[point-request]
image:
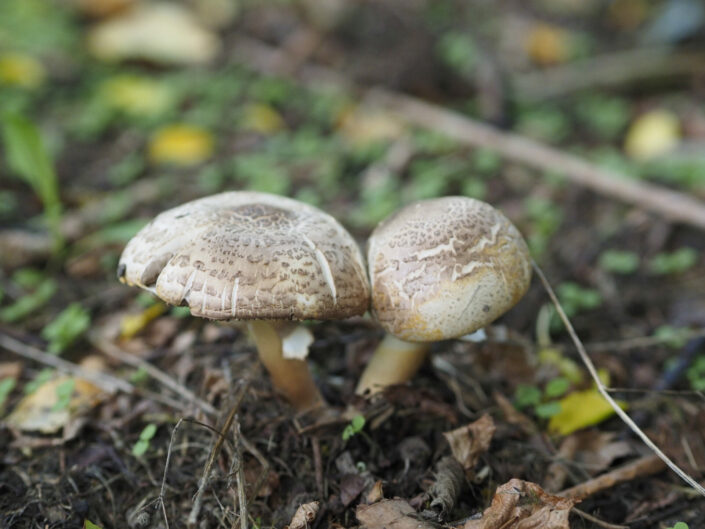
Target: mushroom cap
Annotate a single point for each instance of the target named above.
(445, 267)
(246, 255)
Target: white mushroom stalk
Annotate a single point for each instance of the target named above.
(256, 257)
(439, 269)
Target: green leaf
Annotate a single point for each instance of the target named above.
(28, 158)
(87, 524)
(619, 262)
(148, 432)
(25, 305)
(358, 423)
(140, 448)
(64, 391)
(71, 323)
(32, 386)
(680, 525)
(548, 409)
(673, 263)
(556, 387)
(6, 387)
(526, 395)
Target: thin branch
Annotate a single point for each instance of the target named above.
(597, 521)
(676, 206)
(104, 381)
(157, 374)
(603, 390)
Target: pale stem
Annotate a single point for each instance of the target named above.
(290, 377)
(394, 362)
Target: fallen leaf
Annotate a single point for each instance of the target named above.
(524, 505)
(131, 324)
(547, 44)
(55, 404)
(351, 485)
(262, 118)
(21, 70)
(164, 33)
(135, 95)
(390, 514)
(652, 134)
(180, 145)
(581, 409)
(470, 441)
(304, 515)
(376, 493)
(360, 126)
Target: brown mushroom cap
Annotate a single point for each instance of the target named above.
(247, 255)
(445, 267)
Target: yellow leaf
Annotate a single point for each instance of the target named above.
(21, 70)
(581, 409)
(262, 118)
(359, 126)
(652, 134)
(44, 411)
(135, 95)
(134, 323)
(181, 145)
(548, 44)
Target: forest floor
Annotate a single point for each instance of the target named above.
(582, 121)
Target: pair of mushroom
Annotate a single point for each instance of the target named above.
(438, 269)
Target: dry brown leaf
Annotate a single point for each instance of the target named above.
(524, 505)
(471, 440)
(304, 515)
(376, 493)
(390, 514)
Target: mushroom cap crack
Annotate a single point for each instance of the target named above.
(248, 255)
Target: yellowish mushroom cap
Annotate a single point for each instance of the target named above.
(247, 255)
(445, 267)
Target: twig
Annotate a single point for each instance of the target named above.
(620, 68)
(104, 381)
(597, 521)
(675, 206)
(603, 390)
(643, 466)
(317, 464)
(240, 481)
(198, 499)
(157, 374)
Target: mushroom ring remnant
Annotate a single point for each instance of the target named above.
(252, 256)
(439, 269)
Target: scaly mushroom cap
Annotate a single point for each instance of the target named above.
(445, 267)
(246, 255)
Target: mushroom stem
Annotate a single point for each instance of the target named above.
(393, 362)
(290, 377)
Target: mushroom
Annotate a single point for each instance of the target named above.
(257, 257)
(439, 269)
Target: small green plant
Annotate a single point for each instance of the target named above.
(28, 158)
(355, 427)
(619, 262)
(674, 262)
(27, 304)
(673, 337)
(696, 374)
(142, 445)
(575, 298)
(64, 392)
(43, 376)
(6, 387)
(680, 525)
(87, 524)
(543, 402)
(66, 328)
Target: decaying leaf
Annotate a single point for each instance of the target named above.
(390, 514)
(161, 32)
(54, 405)
(376, 493)
(304, 515)
(471, 440)
(449, 480)
(581, 409)
(524, 505)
